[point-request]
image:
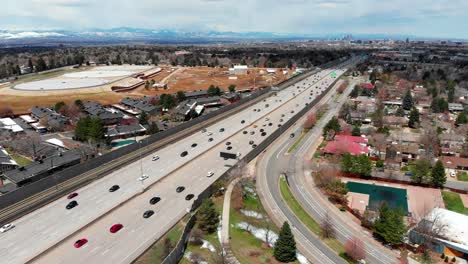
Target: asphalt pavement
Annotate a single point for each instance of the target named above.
(51, 230)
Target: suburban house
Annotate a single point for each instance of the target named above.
(239, 70)
(451, 143)
(455, 163)
(455, 107)
(347, 144)
(6, 162)
(50, 118)
(10, 125)
(107, 116)
(146, 104)
(125, 131)
(43, 168)
(196, 94)
(451, 235)
(185, 109)
(395, 121)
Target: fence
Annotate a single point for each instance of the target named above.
(178, 252)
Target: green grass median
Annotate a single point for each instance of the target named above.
(305, 218)
(454, 203)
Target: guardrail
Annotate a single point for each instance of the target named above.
(178, 252)
(30, 197)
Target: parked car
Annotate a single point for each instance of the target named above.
(143, 177)
(155, 158)
(180, 189)
(189, 197)
(210, 173)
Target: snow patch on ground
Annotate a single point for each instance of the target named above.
(188, 256)
(261, 233)
(251, 191)
(252, 214)
(206, 244)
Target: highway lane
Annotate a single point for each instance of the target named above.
(142, 232)
(312, 200)
(41, 229)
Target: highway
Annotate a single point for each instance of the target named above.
(276, 161)
(98, 209)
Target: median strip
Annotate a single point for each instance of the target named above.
(306, 219)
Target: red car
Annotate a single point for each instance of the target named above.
(115, 228)
(72, 195)
(80, 242)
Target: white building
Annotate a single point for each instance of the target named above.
(239, 70)
(11, 125)
(451, 229)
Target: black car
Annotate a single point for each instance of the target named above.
(270, 124)
(261, 130)
(252, 132)
(243, 121)
(221, 130)
(210, 139)
(154, 200)
(189, 197)
(229, 148)
(279, 125)
(114, 188)
(282, 115)
(148, 214)
(245, 132)
(281, 120)
(71, 204)
(263, 134)
(194, 145)
(228, 143)
(251, 142)
(183, 154)
(180, 189)
(254, 145)
(292, 135)
(292, 112)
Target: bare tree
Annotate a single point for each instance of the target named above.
(268, 233)
(5, 111)
(430, 226)
(354, 248)
(219, 257)
(328, 229)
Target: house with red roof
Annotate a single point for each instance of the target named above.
(347, 144)
(367, 86)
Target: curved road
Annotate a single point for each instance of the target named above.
(276, 161)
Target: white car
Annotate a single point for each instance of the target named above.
(6, 227)
(143, 177)
(238, 154)
(210, 173)
(155, 158)
(209, 134)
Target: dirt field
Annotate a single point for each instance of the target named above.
(180, 79)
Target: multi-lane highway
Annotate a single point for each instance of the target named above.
(276, 161)
(52, 230)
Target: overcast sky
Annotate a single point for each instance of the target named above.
(428, 18)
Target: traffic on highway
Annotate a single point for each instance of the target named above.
(126, 211)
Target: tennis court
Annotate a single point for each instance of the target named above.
(393, 197)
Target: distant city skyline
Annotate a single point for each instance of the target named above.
(421, 18)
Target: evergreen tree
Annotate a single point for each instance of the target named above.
(413, 118)
(180, 96)
(421, 170)
(143, 119)
(438, 176)
(232, 88)
(461, 119)
(207, 216)
(41, 65)
(408, 101)
(400, 112)
(285, 246)
(355, 92)
(30, 65)
(356, 131)
(152, 129)
(390, 225)
(334, 125)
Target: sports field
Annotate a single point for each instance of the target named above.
(393, 197)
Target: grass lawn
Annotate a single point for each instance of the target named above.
(22, 161)
(297, 142)
(306, 219)
(453, 202)
(247, 248)
(154, 253)
(463, 177)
